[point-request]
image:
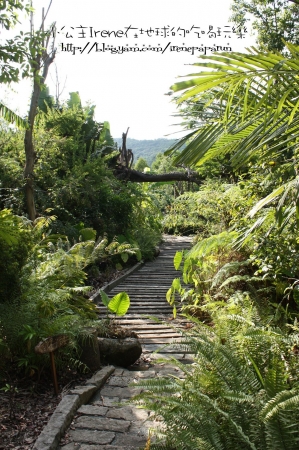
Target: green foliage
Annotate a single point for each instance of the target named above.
(165, 192)
(72, 179)
(50, 297)
(148, 238)
(240, 392)
(15, 244)
(9, 12)
(119, 304)
(208, 262)
(13, 51)
(141, 164)
(207, 211)
(258, 122)
(11, 117)
(274, 21)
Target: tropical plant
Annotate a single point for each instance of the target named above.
(119, 304)
(52, 293)
(13, 52)
(141, 164)
(241, 391)
(207, 211)
(200, 268)
(258, 125)
(15, 244)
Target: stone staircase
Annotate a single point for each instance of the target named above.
(150, 315)
(108, 419)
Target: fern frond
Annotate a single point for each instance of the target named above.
(228, 269)
(213, 243)
(284, 400)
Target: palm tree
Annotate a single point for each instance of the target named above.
(258, 95)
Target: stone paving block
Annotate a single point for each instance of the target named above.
(116, 447)
(120, 381)
(71, 446)
(68, 405)
(118, 372)
(99, 378)
(173, 372)
(142, 428)
(145, 374)
(121, 392)
(58, 423)
(92, 410)
(127, 372)
(47, 440)
(106, 447)
(128, 413)
(85, 392)
(103, 400)
(102, 423)
(92, 436)
(140, 414)
(128, 439)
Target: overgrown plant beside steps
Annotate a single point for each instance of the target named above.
(52, 297)
(242, 391)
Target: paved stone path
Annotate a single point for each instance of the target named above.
(110, 421)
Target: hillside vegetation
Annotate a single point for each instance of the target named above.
(147, 149)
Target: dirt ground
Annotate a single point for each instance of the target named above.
(26, 407)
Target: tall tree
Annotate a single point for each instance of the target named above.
(42, 54)
(273, 20)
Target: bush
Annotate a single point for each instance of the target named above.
(240, 392)
(208, 211)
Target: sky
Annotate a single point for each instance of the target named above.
(123, 56)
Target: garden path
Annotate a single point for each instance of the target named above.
(110, 421)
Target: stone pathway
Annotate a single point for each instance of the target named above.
(110, 421)
(147, 291)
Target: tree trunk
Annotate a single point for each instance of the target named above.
(124, 173)
(38, 83)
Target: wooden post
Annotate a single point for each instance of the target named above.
(49, 345)
(53, 368)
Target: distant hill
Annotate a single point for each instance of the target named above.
(147, 149)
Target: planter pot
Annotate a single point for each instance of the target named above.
(90, 353)
(120, 352)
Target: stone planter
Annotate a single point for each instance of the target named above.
(120, 352)
(90, 353)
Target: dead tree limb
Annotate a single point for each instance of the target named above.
(124, 173)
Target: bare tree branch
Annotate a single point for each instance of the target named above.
(127, 174)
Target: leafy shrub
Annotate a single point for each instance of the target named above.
(240, 392)
(15, 243)
(208, 211)
(52, 292)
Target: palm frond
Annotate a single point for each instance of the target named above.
(11, 117)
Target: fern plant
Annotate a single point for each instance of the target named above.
(199, 267)
(241, 392)
(52, 298)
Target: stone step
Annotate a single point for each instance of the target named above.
(105, 423)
